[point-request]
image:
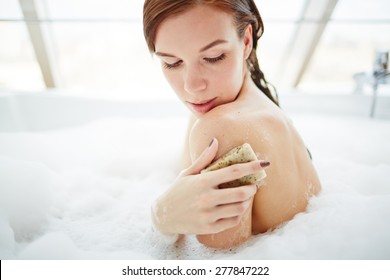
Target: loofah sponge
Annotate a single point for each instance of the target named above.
(240, 154)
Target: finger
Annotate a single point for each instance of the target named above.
(234, 172)
(224, 224)
(205, 158)
(231, 210)
(235, 195)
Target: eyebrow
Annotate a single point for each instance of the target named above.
(205, 48)
(213, 44)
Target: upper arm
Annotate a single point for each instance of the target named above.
(204, 130)
(232, 132)
(201, 135)
(186, 158)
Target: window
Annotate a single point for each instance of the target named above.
(96, 47)
(348, 45)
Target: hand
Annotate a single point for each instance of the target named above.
(195, 205)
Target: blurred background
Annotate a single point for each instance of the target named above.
(96, 47)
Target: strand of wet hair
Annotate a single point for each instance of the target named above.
(259, 79)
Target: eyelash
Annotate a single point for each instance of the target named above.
(208, 59)
(215, 59)
(172, 66)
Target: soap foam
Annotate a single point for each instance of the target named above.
(86, 193)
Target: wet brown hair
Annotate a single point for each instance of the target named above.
(244, 12)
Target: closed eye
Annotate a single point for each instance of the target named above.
(172, 65)
(215, 59)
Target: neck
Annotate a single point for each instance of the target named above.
(248, 87)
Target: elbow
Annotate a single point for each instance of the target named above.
(224, 240)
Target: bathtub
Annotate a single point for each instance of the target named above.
(53, 110)
(78, 175)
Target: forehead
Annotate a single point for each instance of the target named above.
(195, 28)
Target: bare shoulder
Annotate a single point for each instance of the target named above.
(263, 130)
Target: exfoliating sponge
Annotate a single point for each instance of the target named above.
(240, 154)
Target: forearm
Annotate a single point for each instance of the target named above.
(159, 226)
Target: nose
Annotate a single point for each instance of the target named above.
(194, 81)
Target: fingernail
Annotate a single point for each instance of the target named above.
(212, 141)
(264, 163)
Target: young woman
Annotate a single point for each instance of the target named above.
(207, 50)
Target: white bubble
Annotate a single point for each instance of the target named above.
(86, 193)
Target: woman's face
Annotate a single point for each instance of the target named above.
(203, 58)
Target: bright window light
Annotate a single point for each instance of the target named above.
(99, 48)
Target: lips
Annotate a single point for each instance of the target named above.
(203, 106)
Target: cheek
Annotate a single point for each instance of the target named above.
(231, 78)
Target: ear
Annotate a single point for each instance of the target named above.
(248, 41)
